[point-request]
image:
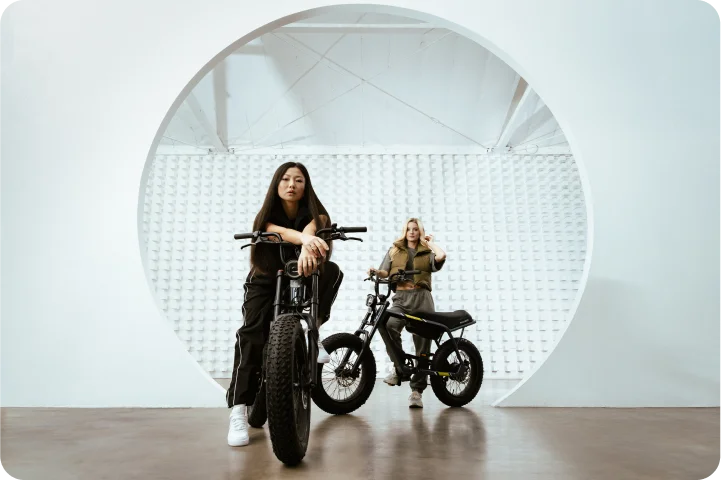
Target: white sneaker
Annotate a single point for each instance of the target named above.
(392, 378)
(323, 356)
(415, 400)
(238, 431)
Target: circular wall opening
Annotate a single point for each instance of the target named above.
(395, 117)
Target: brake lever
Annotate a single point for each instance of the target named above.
(353, 238)
(246, 246)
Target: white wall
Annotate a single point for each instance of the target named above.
(634, 85)
(514, 228)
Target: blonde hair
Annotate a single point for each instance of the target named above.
(402, 238)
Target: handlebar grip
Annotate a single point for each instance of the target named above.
(243, 236)
(412, 272)
(353, 229)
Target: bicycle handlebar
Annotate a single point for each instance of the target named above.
(335, 229)
(243, 236)
(337, 233)
(400, 273)
(352, 229)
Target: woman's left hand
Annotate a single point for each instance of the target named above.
(429, 238)
(307, 263)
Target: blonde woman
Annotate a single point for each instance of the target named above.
(413, 250)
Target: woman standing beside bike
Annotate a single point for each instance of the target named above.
(291, 209)
(414, 250)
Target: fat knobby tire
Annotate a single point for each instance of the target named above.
(286, 337)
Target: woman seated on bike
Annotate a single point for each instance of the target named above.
(414, 250)
(292, 209)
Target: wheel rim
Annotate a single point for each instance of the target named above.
(341, 387)
(457, 387)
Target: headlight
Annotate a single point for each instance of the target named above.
(370, 300)
(291, 269)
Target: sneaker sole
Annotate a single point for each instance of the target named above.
(413, 405)
(238, 444)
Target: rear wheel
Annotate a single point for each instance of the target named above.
(341, 392)
(288, 392)
(457, 390)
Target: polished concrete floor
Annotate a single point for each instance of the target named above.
(384, 439)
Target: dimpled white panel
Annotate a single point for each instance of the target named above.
(514, 228)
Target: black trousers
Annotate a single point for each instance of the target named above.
(257, 314)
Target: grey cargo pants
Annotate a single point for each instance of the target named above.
(408, 302)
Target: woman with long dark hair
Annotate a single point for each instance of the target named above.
(292, 209)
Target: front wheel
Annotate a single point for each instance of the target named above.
(288, 392)
(339, 391)
(457, 390)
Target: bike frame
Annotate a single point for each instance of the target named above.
(295, 306)
(377, 317)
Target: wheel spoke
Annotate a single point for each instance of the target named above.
(340, 387)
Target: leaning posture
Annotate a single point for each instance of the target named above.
(291, 209)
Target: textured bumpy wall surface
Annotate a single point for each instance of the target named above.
(514, 228)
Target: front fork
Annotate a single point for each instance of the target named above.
(312, 371)
(366, 343)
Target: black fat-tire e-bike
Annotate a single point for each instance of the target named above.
(455, 369)
(289, 371)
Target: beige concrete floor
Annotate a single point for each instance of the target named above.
(384, 439)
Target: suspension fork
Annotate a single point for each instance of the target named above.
(313, 331)
(278, 292)
(358, 332)
(381, 317)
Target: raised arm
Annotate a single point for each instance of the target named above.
(440, 255)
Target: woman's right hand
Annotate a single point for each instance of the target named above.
(307, 263)
(315, 246)
(371, 270)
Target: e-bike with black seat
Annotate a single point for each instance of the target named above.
(289, 370)
(455, 368)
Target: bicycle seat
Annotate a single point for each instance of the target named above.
(449, 319)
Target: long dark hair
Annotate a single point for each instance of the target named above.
(264, 257)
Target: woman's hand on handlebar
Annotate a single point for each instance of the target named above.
(315, 246)
(307, 263)
(378, 273)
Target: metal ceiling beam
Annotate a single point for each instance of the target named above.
(529, 126)
(205, 124)
(220, 96)
(365, 81)
(356, 28)
(514, 113)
